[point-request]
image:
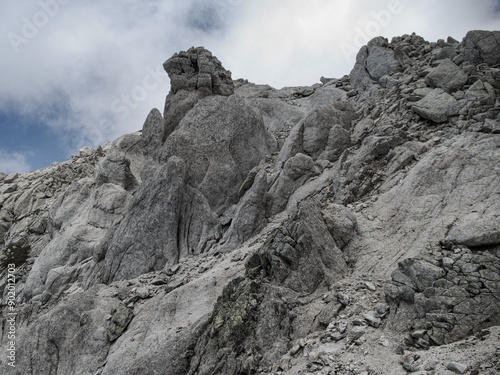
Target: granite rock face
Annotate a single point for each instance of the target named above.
(250, 230)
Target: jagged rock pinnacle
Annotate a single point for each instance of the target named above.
(198, 70)
(194, 74)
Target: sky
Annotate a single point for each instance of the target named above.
(82, 73)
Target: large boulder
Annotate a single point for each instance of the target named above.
(374, 61)
(115, 168)
(447, 76)
(324, 133)
(482, 46)
(437, 106)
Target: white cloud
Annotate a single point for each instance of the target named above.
(84, 72)
(13, 162)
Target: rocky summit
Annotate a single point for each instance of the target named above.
(348, 227)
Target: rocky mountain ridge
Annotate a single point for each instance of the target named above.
(349, 227)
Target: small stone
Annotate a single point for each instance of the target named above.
(448, 262)
(343, 299)
(370, 286)
(342, 327)
(382, 309)
(358, 322)
(418, 333)
(456, 367)
(359, 341)
(329, 298)
(372, 319)
(295, 349)
(430, 366)
(158, 280)
(446, 244)
(422, 343)
(410, 368)
(357, 332)
(173, 270)
(142, 292)
(337, 336)
(383, 341)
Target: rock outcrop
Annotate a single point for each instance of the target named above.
(347, 227)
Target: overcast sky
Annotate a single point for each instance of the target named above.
(81, 73)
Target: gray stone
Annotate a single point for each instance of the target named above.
(318, 125)
(370, 286)
(250, 215)
(120, 319)
(436, 106)
(302, 254)
(410, 367)
(343, 298)
(479, 233)
(296, 171)
(456, 367)
(430, 366)
(447, 76)
(153, 132)
(372, 319)
(482, 46)
(193, 74)
(341, 223)
(356, 332)
(373, 62)
(115, 168)
(359, 76)
(339, 140)
(480, 94)
(382, 309)
(381, 62)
